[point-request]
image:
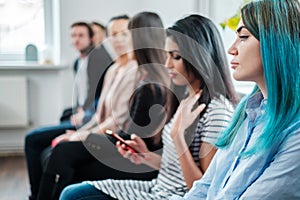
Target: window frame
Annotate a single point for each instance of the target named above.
(49, 36)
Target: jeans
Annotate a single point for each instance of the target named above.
(83, 191)
(35, 142)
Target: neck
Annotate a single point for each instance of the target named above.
(263, 91)
(194, 87)
(262, 87)
(86, 51)
(82, 55)
(122, 60)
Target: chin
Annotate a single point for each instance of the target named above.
(178, 82)
(238, 77)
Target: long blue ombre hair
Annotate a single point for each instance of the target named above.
(275, 23)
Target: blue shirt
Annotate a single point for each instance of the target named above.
(273, 174)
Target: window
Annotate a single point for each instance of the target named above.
(22, 22)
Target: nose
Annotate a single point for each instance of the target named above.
(169, 63)
(232, 50)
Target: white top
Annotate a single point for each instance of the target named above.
(81, 81)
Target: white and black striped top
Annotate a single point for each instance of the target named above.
(170, 179)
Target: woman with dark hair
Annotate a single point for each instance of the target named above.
(144, 96)
(153, 83)
(188, 138)
(259, 152)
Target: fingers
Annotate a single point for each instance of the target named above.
(123, 150)
(137, 139)
(57, 140)
(197, 96)
(70, 131)
(200, 108)
(80, 109)
(138, 143)
(133, 157)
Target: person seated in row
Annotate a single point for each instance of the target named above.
(99, 33)
(258, 155)
(196, 59)
(87, 73)
(134, 97)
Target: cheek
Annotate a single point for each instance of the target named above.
(255, 60)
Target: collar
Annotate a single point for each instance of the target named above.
(256, 106)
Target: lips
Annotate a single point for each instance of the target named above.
(234, 64)
(172, 75)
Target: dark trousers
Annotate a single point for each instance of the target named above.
(35, 142)
(73, 162)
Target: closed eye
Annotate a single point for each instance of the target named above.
(243, 37)
(176, 57)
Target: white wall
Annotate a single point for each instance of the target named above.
(103, 10)
(44, 102)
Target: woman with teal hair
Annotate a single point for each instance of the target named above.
(259, 152)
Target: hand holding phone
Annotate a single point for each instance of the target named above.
(122, 141)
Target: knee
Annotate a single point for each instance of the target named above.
(31, 139)
(66, 193)
(59, 149)
(69, 193)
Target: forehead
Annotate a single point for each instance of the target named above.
(241, 27)
(79, 29)
(118, 25)
(96, 27)
(170, 44)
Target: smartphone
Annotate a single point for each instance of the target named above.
(117, 137)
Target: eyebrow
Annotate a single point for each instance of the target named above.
(174, 51)
(240, 28)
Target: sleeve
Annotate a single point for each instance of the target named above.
(200, 187)
(281, 180)
(98, 63)
(120, 104)
(217, 119)
(146, 114)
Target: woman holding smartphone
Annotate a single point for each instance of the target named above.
(141, 88)
(259, 152)
(196, 59)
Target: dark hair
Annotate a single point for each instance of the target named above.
(118, 17)
(90, 30)
(98, 24)
(203, 54)
(148, 37)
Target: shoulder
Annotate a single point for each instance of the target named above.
(292, 134)
(219, 108)
(131, 65)
(216, 118)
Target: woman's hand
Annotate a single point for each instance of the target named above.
(63, 137)
(77, 118)
(78, 136)
(138, 144)
(185, 115)
(70, 136)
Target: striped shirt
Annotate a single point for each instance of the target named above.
(170, 179)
